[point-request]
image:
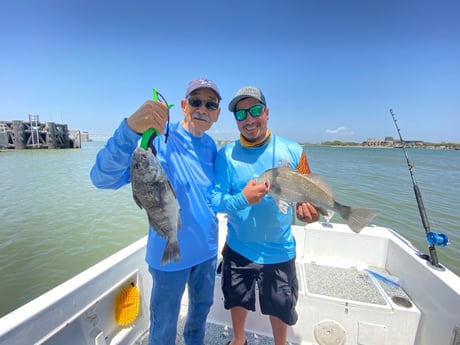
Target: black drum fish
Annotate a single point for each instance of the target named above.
(287, 185)
(153, 192)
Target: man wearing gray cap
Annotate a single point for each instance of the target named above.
(188, 161)
(259, 247)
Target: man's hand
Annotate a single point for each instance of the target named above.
(149, 115)
(254, 192)
(306, 212)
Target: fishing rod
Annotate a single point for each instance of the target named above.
(431, 237)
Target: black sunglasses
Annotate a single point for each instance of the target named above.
(196, 103)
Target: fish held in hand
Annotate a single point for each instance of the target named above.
(153, 192)
(288, 185)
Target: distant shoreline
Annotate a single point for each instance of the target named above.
(383, 147)
(391, 145)
(371, 143)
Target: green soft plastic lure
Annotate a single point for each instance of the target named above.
(151, 133)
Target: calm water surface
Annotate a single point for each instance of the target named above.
(54, 223)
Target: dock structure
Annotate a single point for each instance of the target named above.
(34, 134)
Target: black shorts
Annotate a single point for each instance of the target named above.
(277, 283)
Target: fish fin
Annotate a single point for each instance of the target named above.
(356, 218)
(283, 205)
(171, 252)
(179, 222)
(326, 213)
(173, 191)
(323, 211)
(150, 220)
(137, 201)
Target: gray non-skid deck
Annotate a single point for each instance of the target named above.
(218, 335)
(348, 284)
(221, 335)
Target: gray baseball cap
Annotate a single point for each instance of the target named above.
(245, 92)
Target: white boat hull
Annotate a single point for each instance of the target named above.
(339, 302)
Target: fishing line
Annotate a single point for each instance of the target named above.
(431, 237)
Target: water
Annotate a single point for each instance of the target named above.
(54, 223)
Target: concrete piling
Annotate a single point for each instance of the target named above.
(21, 135)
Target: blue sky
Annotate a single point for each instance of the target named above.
(330, 70)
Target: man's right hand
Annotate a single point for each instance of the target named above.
(149, 115)
(254, 192)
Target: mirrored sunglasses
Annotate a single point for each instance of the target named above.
(255, 111)
(196, 103)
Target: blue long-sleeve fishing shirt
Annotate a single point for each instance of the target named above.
(261, 232)
(188, 162)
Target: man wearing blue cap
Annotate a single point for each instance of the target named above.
(188, 160)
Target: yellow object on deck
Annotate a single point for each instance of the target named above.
(127, 305)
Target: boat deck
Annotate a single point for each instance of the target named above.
(346, 296)
(355, 285)
(338, 295)
(216, 335)
(317, 284)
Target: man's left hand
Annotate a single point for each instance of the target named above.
(306, 212)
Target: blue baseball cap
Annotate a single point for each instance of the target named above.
(200, 83)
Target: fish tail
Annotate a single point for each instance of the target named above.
(171, 252)
(356, 218)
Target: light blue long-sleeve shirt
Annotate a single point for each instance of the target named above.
(261, 232)
(188, 162)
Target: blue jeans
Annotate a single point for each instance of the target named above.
(167, 291)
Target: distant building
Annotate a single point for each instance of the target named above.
(387, 142)
(391, 142)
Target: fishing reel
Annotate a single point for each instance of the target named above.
(434, 238)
